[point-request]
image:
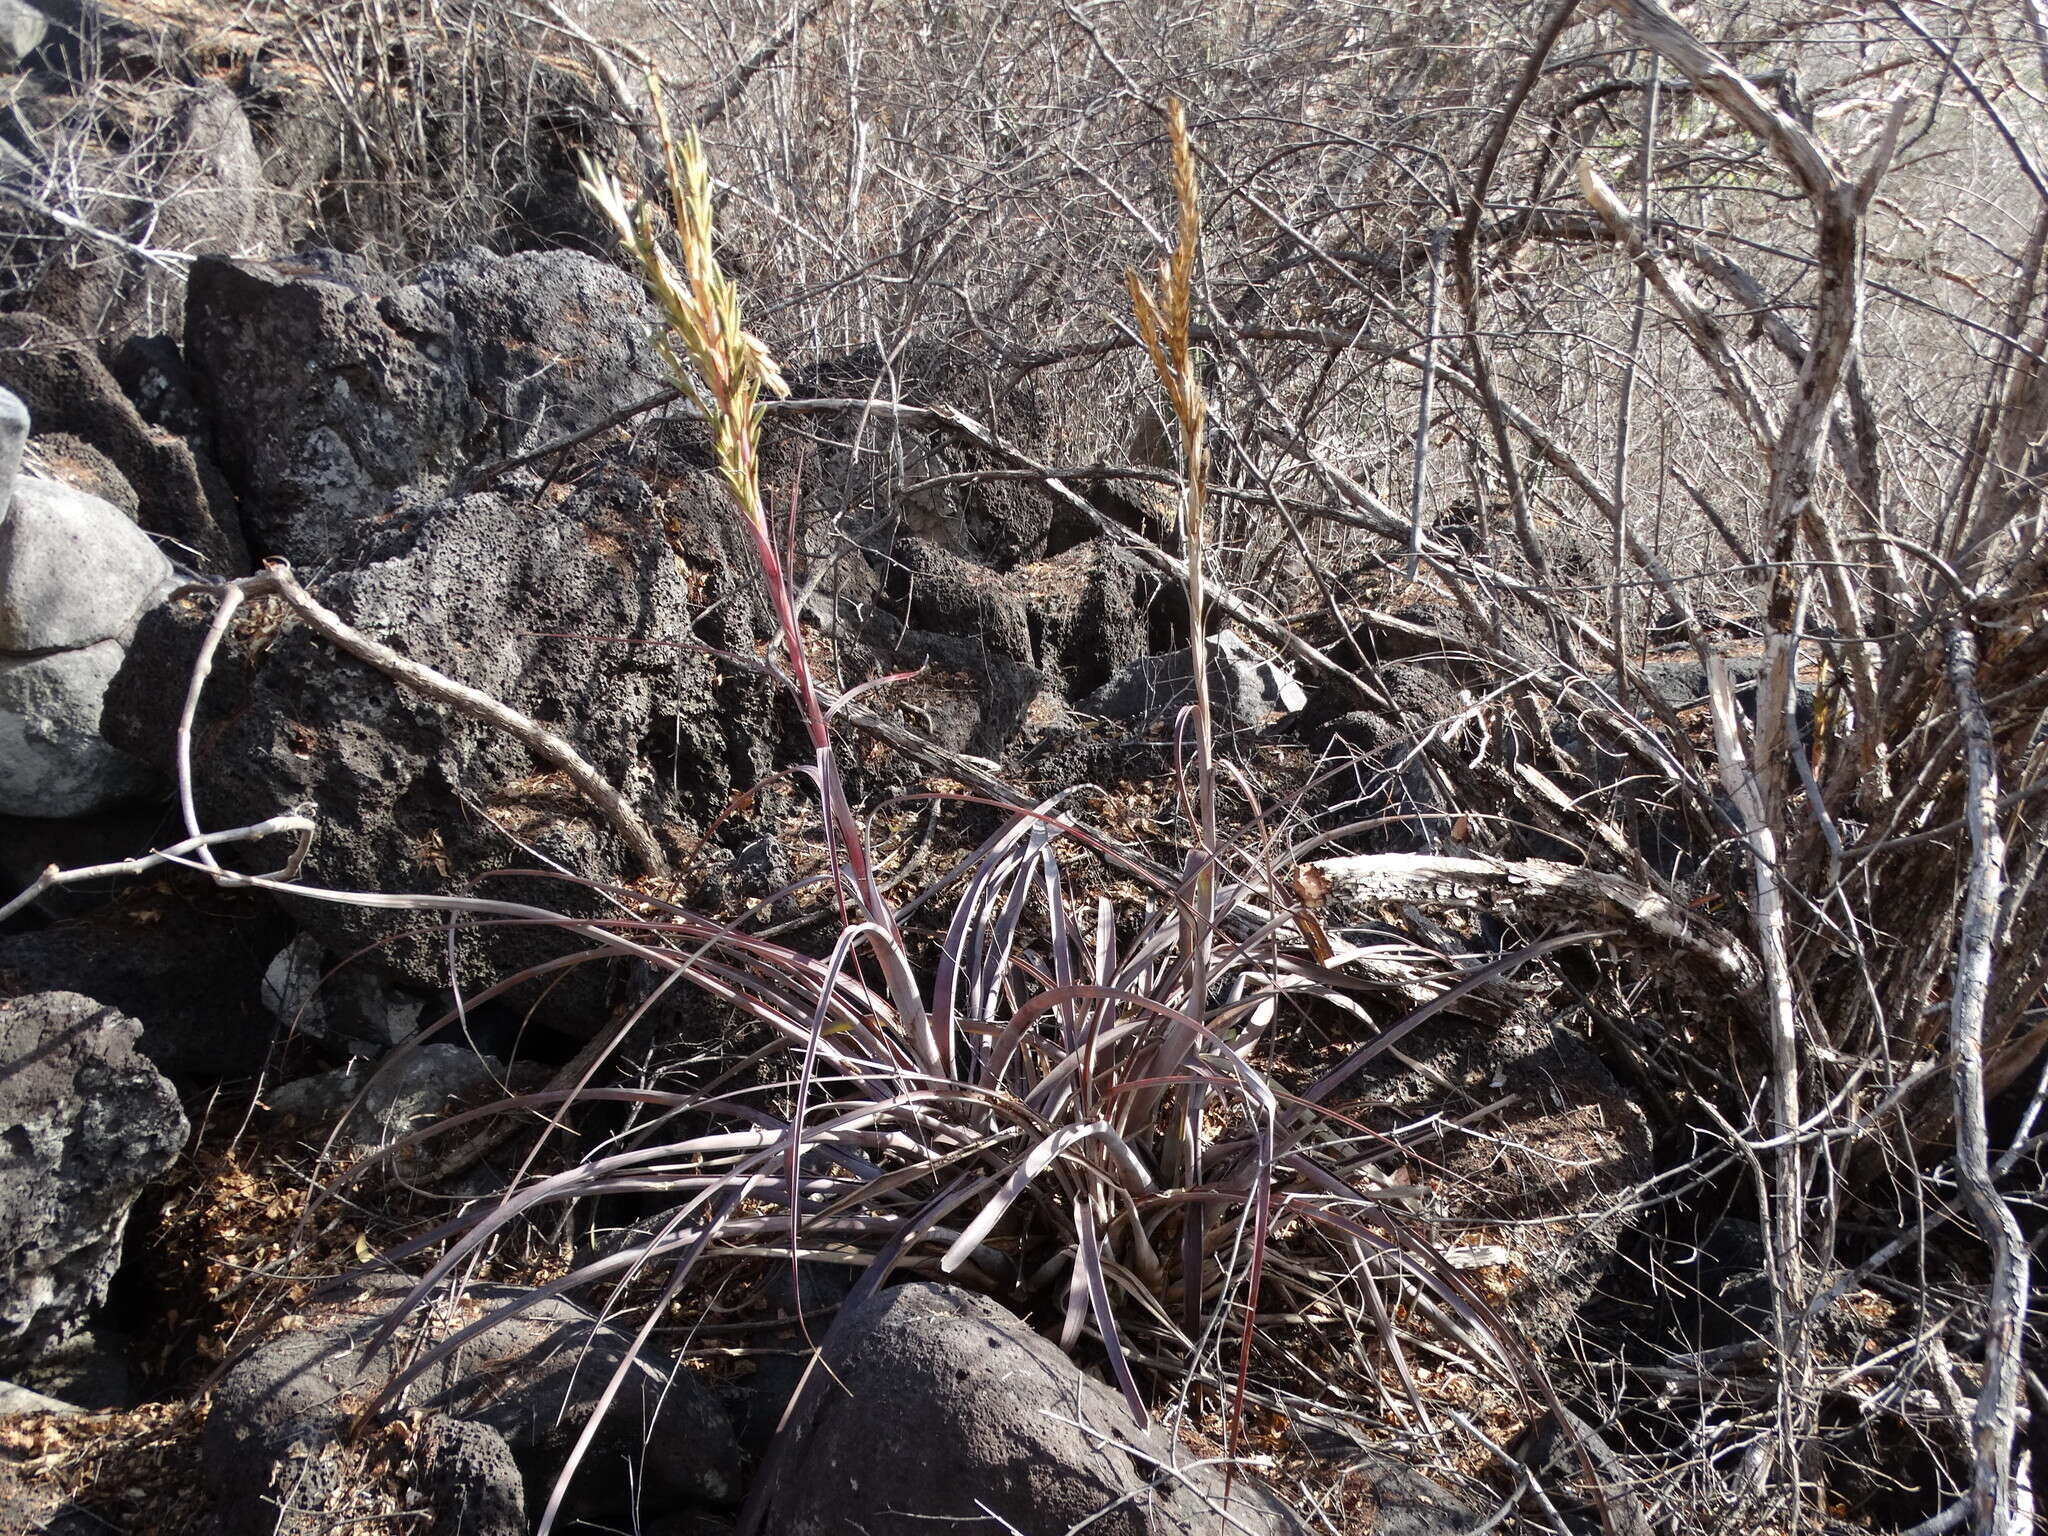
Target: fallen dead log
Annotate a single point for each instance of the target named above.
(1541, 888)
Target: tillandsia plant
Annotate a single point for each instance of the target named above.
(723, 369)
(1053, 1099)
(1163, 309)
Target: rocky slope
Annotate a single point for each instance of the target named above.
(398, 433)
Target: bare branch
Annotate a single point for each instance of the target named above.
(2001, 1500)
(179, 853)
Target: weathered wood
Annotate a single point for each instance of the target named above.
(1539, 887)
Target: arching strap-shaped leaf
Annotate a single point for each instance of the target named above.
(1018, 1179)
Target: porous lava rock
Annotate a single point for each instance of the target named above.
(468, 1480)
(180, 956)
(85, 1123)
(942, 1410)
(332, 388)
(578, 612)
(531, 1380)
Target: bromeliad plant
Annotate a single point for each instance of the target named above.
(723, 368)
(1051, 1098)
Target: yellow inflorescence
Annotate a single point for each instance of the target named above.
(721, 366)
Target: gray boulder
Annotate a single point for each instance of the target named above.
(354, 1009)
(14, 425)
(180, 495)
(75, 576)
(88, 1122)
(22, 30)
(943, 1411)
(74, 569)
(53, 760)
(532, 1380)
(334, 389)
(1247, 691)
